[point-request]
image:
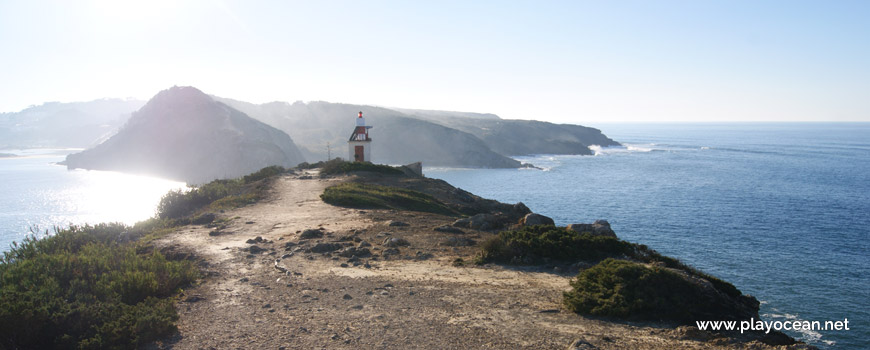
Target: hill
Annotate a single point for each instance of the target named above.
(184, 134)
(397, 138)
(520, 137)
(65, 125)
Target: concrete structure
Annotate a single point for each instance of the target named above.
(359, 145)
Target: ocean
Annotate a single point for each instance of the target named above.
(780, 210)
(37, 195)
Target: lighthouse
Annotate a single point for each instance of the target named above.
(360, 145)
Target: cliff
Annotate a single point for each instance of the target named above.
(184, 134)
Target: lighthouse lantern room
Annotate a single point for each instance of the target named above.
(359, 145)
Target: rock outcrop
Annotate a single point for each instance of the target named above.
(532, 219)
(184, 134)
(597, 228)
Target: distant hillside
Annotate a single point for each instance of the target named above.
(522, 137)
(431, 114)
(184, 134)
(62, 125)
(397, 138)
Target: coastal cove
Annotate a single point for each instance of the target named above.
(776, 209)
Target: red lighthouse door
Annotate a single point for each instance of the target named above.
(358, 154)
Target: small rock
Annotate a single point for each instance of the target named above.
(255, 249)
(194, 298)
(391, 251)
(267, 306)
(354, 251)
(249, 222)
(580, 344)
(347, 297)
(244, 279)
(396, 242)
(363, 244)
(311, 233)
(396, 223)
(214, 233)
(343, 265)
(449, 229)
(325, 247)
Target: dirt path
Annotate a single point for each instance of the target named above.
(287, 297)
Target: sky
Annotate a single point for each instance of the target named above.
(559, 61)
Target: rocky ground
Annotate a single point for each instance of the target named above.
(292, 272)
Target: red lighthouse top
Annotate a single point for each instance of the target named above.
(360, 114)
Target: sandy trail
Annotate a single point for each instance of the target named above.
(246, 303)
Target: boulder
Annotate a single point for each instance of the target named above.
(532, 219)
(464, 222)
(597, 228)
(483, 222)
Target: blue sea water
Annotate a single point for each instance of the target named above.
(780, 210)
(37, 194)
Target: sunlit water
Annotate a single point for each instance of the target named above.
(37, 194)
(780, 210)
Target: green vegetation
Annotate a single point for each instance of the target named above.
(358, 195)
(339, 166)
(264, 173)
(216, 195)
(625, 289)
(531, 244)
(621, 285)
(101, 287)
(87, 287)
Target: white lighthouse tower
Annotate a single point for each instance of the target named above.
(360, 145)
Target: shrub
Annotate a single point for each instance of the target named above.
(624, 289)
(357, 195)
(264, 173)
(338, 166)
(531, 244)
(81, 288)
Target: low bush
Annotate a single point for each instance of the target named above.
(264, 173)
(534, 244)
(625, 289)
(83, 287)
(531, 244)
(219, 194)
(358, 195)
(339, 166)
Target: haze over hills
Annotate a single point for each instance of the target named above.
(178, 133)
(65, 125)
(397, 138)
(438, 138)
(186, 135)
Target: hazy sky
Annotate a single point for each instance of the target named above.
(571, 61)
